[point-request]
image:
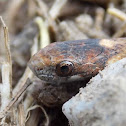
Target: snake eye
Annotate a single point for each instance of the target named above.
(64, 68)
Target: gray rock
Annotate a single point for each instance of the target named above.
(103, 101)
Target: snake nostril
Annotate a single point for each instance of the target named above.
(37, 69)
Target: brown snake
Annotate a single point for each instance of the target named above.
(67, 66)
(76, 60)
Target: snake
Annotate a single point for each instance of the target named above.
(70, 61)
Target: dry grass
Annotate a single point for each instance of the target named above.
(11, 97)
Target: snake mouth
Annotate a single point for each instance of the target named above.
(45, 77)
(43, 74)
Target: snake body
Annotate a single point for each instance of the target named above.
(64, 62)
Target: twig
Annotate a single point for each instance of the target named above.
(44, 34)
(7, 44)
(117, 13)
(43, 110)
(6, 87)
(21, 115)
(6, 92)
(57, 6)
(43, 9)
(122, 16)
(12, 11)
(120, 31)
(2, 21)
(34, 48)
(27, 74)
(99, 18)
(15, 98)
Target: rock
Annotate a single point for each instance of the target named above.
(102, 101)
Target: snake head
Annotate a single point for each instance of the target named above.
(52, 64)
(65, 61)
(76, 60)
